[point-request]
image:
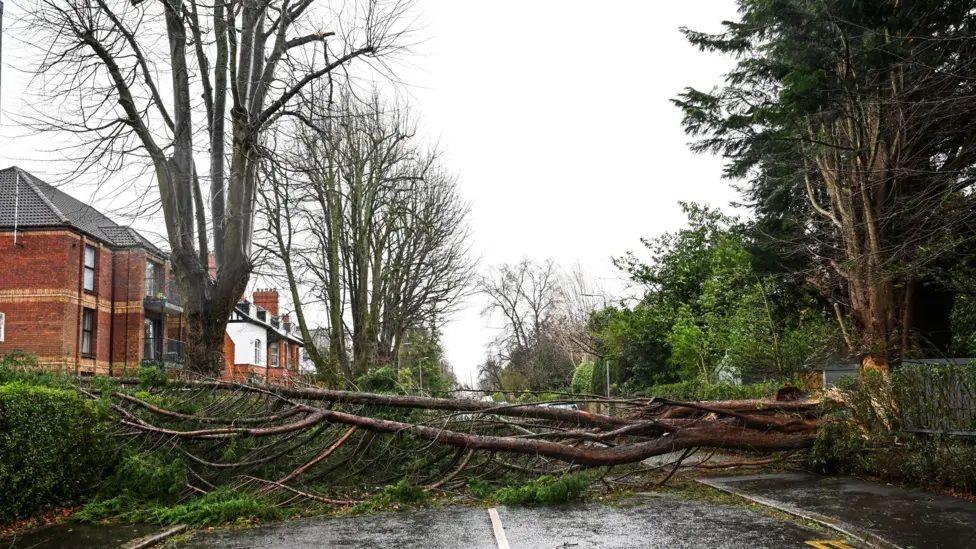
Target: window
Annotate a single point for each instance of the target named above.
(3, 322)
(90, 255)
(88, 332)
(273, 355)
(154, 280)
(257, 351)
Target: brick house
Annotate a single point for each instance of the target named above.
(81, 292)
(259, 342)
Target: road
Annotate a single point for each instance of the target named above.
(648, 522)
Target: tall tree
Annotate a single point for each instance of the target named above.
(372, 223)
(125, 74)
(853, 122)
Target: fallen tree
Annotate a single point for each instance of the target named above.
(327, 445)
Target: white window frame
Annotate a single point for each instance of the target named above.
(257, 351)
(92, 269)
(3, 326)
(273, 356)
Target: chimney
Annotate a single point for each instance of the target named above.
(212, 265)
(267, 300)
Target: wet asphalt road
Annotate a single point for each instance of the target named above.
(899, 516)
(650, 522)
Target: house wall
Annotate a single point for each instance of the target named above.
(243, 335)
(42, 297)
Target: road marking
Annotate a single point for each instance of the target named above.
(496, 525)
(828, 544)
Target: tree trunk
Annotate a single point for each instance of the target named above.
(205, 341)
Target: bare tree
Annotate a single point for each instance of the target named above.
(543, 334)
(125, 75)
(381, 230)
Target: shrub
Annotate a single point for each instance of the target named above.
(152, 376)
(583, 378)
(839, 448)
(148, 477)
(18, 361)
(52, 448)
(545, 490)
(404, 492)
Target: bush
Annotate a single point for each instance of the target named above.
(52, 448)
(404, 492)
(149, 477)
(839, 448)
(545, 490)
(152, 376)
(15, 361)
(583, 378)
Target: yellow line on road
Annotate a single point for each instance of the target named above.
(828, 544)
(496, 525)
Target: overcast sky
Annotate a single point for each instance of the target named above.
(554, 114)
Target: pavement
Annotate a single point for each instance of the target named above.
(646, 522)
(878, 514)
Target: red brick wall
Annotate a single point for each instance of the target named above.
(42, 297)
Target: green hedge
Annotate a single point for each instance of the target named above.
(583, 378)
(52, 448)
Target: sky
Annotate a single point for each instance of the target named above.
(556, 117)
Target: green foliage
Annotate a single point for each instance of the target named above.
(152, 377)
(863, 437)
(709, 313)
(840, 448)
(219, 507)
(379, 380)
(696, 389)
(18, 360)
(404, 492)
(583, 378)
(545, 490)
(788, 107)
(146, 477)
(964, 321)
(52, 448)
(23, 367)
(393, 496)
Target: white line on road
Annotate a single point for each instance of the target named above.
(496, 525)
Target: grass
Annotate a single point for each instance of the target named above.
(216, 508)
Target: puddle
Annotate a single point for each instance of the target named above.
(74, 535)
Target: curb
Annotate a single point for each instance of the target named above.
(871, 540)
(153, 540)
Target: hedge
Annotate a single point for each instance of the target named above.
(52, 448)
(583, 378)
